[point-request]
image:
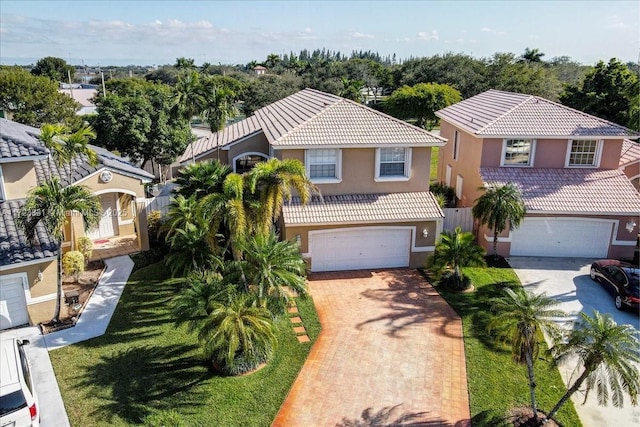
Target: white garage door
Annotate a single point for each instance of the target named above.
(13, 303)
(108, 226)
(562, 238)
(359, 248)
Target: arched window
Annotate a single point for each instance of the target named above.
(246, 162)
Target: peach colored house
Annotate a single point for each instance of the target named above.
(565, 162)
(28, 272)
(372, 170)
(630, 162)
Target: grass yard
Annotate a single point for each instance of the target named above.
(434, 164)
(144, 364)
(496, 383)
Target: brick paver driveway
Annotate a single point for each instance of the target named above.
(390, 353)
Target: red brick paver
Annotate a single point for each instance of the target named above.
(390, 348)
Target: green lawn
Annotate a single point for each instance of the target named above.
(144, 364)
(434, 164)
(495, 382)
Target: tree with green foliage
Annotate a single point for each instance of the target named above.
(521, 321)
(188, 96)
(532, 55)
(609, 91)
(455, 250)
(267, 89)
(54, 68)
(137, 119)
(218, 108)
(499, 205)
(201, 178)
(352, 89)
(35, 100)
(183, 63)
(420, 102)
(506, 72)
(608, 355)
(48, 205)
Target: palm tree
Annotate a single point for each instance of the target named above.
(269, 267)
(239, 335)
(607, 352)
(202, 178)
(188, 97)
(351, 89)
(497, 206)
(218, 108)
(522, 318)
(49, 204)
(275, 180)
(65, 146)
(190, 251)
(455, 250)
(532, 55)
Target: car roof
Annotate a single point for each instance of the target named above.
(9, 371)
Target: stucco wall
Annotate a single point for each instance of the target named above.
(19, 178)
(94, 184)
(255, 144)
(43, 311)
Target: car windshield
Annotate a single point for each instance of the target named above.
(12, 402)
(634, 279)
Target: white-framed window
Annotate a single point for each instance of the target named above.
(447, 176)
(459, 182)
(584, 153)
(324, 165)
(518, 152)
(246, 161)
(456, 145)
(393, 164)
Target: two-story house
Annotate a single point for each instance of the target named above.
(372, 170)
(565, 162)
(28, 272)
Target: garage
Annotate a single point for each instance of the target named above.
(359, 248)
(562, 237)
(13, 303)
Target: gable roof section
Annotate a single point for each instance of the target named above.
(570, 191)
(310, 117)
(362, 208)
(19, 142)
(14, 246)
(630, 153)
(497, 113)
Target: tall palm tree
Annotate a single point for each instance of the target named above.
(497, 206)
(66, 146)
(49, 204)
(202, 178)
(188, 97)
(455, 250)
(275, 180)
(269, 267)
(607, 352)
(522, 318)
(218, 108)
(238, 335)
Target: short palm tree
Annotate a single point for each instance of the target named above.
(455, 250)
(238, 335)
(190, 251)
(522, 318)
(49, 204)
(275, 181)
(270, 269)
(608, 353)
(499, 205)
(202, 178)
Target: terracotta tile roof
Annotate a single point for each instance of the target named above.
(630, 152)
(17, 140)
(14, 246)
(498, 113)
(362, 208)
(311, 117)
(597, 191)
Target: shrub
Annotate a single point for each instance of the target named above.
(85, 246)
(73, 264)
(448, 193)
(453, 283)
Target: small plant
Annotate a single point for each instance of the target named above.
(85, 246)
(444, 192)
(73, 264)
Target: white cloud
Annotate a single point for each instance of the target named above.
(492, 31)
(358, 35)
(423, 35)
(616, 23)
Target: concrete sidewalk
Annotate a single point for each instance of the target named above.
(97, 313)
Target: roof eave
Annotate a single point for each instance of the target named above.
(23, 158)
(399, 144)
(598, 213)
(390, 221)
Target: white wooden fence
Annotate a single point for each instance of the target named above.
(457, 217)
(160, 203)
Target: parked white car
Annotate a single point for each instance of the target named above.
(18, 399)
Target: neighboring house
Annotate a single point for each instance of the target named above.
(372, 170)
(565, 162)
(260, 70)
(630, 162)
(83, 97)
(28, 271)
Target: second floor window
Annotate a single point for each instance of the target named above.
(517, 152)
(323, 164)
(393, 163)
(456, 145)
(584, 152)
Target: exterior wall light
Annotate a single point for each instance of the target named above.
(425, 233)
(40, 275)
(630, 226)
(298, 240)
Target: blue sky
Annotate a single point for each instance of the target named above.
(230, 32)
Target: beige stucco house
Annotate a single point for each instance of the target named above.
(372, 170)
(566, 163)
(28, 272)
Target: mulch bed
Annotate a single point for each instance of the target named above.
(522, 416)
(70, 313)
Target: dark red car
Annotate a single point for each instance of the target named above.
(620, 279)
